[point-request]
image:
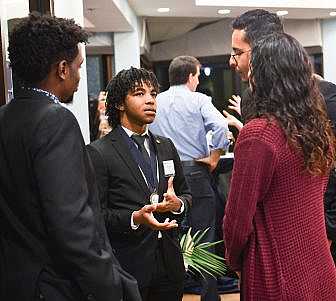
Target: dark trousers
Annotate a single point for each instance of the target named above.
(162, 288)
(201, 216)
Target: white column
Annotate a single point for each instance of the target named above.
(127, 44)
(10, 10)
(74, 9)
(329, 49)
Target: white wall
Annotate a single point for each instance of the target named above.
(307, 32)
(329, 49)
(215, 39)
(74, 9)
(15, 8)
(10, 9)
(211, 40)
(127, 44)
(99, 39)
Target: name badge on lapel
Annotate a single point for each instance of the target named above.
(168, 168)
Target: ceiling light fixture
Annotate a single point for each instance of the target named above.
(224, 11)
(163, 9)
(332, 13)
(282, 13)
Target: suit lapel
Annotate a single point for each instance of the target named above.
(122, 148)
(158, 151)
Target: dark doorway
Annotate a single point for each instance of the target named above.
(44, 7)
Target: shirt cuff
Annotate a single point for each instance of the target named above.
(133, 225)
(181, 209)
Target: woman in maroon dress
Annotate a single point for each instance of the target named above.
(274, 225)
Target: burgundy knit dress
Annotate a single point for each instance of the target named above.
(274, 225)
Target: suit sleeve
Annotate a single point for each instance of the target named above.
(328, 90)
(61, 169)
(114, 219)
(330, 206)
(253, 169)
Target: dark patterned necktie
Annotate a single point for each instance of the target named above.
(140, 141)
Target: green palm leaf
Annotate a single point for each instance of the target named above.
(197, 256)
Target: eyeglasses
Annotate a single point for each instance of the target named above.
(234, 55)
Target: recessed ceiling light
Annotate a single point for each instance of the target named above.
(332, 13)
(163, 9)
(282, 13)
(224, 11)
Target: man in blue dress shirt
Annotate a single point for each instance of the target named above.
(186, 116)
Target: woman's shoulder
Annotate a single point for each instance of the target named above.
(262, 129)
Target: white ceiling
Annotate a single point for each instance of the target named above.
(104, 16)
(299, 9)
(184, 15)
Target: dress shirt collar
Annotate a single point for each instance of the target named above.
(130, 133)
(48, 94)
(180, 87)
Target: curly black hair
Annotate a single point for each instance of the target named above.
(284, 89)
(38, 42)
(124, 82)
(257, 23)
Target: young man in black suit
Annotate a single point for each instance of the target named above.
(53, 243)
(142, 187)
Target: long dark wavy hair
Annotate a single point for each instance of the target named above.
(124, 82)
(284, 89)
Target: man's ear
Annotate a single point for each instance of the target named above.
(190, 77)
(62, 69)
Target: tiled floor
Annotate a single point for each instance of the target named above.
(226, 297)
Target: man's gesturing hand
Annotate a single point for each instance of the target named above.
(170, 201)
(145, 216)
(235, 101)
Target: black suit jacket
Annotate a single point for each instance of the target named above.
(124, 190)
(328, 90)
(48, 185)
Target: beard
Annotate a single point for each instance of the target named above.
(69, 99)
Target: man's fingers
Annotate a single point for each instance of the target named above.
(236, 98)
(166, 225)
(226, 113)
(234, 108)
(233, 102)
(161, 207)
(149, 208)
(170, 183)
(164, 206)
